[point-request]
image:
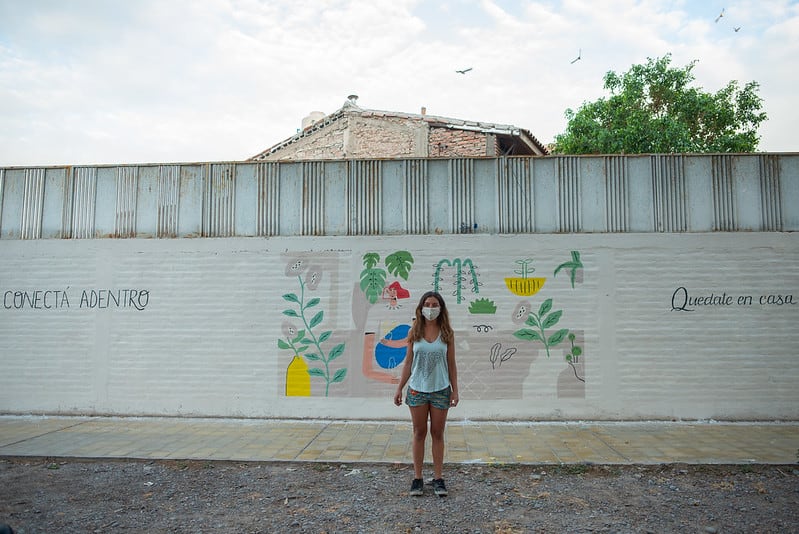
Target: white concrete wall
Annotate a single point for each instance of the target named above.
(206, 341)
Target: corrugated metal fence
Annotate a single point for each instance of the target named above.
(583, 194)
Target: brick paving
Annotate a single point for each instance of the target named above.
(389, 441)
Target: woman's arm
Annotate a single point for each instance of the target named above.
(406, 374)
(453, 372)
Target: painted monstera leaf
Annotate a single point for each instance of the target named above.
(372, 283)
(400, 263)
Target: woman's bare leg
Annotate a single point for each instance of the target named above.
(419, 415)
(438, 419)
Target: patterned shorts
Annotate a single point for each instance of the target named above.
(438, 399)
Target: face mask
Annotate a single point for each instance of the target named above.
(431, 313)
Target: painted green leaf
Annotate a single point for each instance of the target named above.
(317, 372)
(527, 334)
(483, 305)
(552, 319)
(291, 297)
(557, 337)
(290, 313)
(532, 320)
(282, 344)
(577, 351)
(324, 336)
(317, 319)
(366, 279)
(313, 357)
(370, 259)
(545, 307)
(308, 340)
(339, 376)
(311, 303)
(372, 283)
(567, 265)
(299, 336)
(301, 348)
(335, 352)
(400, 263)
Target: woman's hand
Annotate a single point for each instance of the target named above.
(454, 398)
(398, 397)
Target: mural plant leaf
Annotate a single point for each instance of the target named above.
(373, 279)
(557, 337)
(528, 335)
(459, 277)
(572, 266)
(309, 338)
(400, 263)
(552, 319)
(545, 307)
(542, 321)
(335, 352)
(316, 319)
(370, 259)
(483, 305)
(372, 283)
(299, 336)
(291, 297)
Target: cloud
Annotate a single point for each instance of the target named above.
(152, 81)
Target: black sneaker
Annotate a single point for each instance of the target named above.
(439, 487)
(417, 487)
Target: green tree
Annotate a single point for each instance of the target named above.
(653, 109)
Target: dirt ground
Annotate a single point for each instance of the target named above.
(58, 495)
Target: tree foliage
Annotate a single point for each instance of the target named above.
(652, 108)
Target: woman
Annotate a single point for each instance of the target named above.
(432, 379)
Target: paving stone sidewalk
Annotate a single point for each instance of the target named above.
(389, 441)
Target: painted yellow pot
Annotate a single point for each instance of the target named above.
(298, 381)
(524, 287)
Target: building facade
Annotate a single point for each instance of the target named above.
(356, 133)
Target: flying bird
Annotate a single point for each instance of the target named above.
(736, 29)
(720, 15)
(578, 58)
(464, 71)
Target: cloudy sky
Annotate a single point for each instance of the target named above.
(157, 81)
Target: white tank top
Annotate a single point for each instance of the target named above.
(429, 371)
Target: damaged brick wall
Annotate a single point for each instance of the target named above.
(326, 143)
(447, 143)
(363, 137)
(386, 137)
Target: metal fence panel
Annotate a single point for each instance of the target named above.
(670, 193)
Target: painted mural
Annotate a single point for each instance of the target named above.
(548, 327)
(304, 335)
(507, 325)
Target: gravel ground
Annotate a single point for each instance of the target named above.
(57, 495)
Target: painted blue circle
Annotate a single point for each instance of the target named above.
(389, 357)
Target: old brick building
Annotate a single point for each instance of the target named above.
(356, 133)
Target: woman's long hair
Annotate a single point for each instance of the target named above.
(417, 330)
